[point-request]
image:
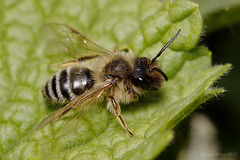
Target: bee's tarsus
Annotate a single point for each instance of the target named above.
(117, 111)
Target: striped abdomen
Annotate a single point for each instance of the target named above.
(68, 84)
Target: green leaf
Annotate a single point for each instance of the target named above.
(218, 14)
(145, 26)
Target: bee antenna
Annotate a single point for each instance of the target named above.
(166, 46)
(160, 71)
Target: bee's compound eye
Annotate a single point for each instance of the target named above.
(140, 76)
(144, 84)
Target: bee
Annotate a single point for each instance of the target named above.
(117, 76)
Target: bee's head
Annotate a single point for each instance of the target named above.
(146, 73)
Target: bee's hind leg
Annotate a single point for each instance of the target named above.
(114, 107)
(74, 62)
(64, 64)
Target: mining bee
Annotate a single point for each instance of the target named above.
(118, 76)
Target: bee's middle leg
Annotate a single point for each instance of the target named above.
(115, 108)
(74, 62)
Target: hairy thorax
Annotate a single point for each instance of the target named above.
(121, 71)
(118, 68)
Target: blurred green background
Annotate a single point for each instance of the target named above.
(220, 116)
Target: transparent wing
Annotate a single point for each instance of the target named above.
(73, 123)
(78, 102)
(62, 38)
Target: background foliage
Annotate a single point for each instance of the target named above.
(145, 26)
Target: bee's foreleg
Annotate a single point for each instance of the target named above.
(115, 108)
